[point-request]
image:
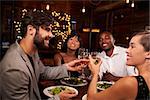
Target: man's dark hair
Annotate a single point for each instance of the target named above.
(35, 19)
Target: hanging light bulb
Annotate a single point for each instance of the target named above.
(47, 6)
(132, 4)
(127, 1)
(83, 9)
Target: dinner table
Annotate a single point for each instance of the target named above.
(82, 90)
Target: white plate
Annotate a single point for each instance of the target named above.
(84, 97)
(104, 84)
(66, 80)
(46, 91)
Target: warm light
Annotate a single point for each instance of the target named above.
(47, 7)
(127, 1)
(127, 38)
(19, 37)
(93, 30)
(62, 27)
(83, 10)
(86, 30)
(96, 30)
(34, 9)
(132, 5)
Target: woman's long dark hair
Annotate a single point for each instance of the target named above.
(64, 47)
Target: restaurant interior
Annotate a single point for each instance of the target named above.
(85, 17)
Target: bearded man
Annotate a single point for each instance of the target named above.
(21, 68)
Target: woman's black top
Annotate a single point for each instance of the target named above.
(143, 90)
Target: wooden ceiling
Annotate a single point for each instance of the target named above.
(70, 6)
(98, 5)
(107, 14)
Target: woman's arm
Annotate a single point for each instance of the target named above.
(123, 89)
(57, 59)
(94, 71)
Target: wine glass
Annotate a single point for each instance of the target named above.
(94, 54)
(83, 54)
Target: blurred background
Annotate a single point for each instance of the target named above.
(84, 17)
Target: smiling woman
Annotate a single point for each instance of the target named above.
(130, 87)
(69, 50)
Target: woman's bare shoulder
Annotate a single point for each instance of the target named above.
(127, 86)
(128, 81)
(123, 89)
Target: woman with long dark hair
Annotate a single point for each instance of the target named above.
(69, 51)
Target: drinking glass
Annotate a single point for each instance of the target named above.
(83, 54)
(94, 54)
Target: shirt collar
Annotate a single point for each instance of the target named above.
(115, 52)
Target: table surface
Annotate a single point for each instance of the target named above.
(82, 90)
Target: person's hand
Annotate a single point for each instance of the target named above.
(94, 65)
(67, 95)
(77, 65)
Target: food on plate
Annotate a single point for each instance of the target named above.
(57, 90)
(54, 90)
(74, 80)
(104, 85)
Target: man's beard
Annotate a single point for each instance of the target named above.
(38, 41)
(108, 49)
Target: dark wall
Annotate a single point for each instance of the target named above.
(122, 22)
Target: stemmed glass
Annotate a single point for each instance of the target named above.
(94, 54)
(83, 53)
(87, 70)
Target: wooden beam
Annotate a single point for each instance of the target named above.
(110, 6)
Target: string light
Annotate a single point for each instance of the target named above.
(61, 27)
